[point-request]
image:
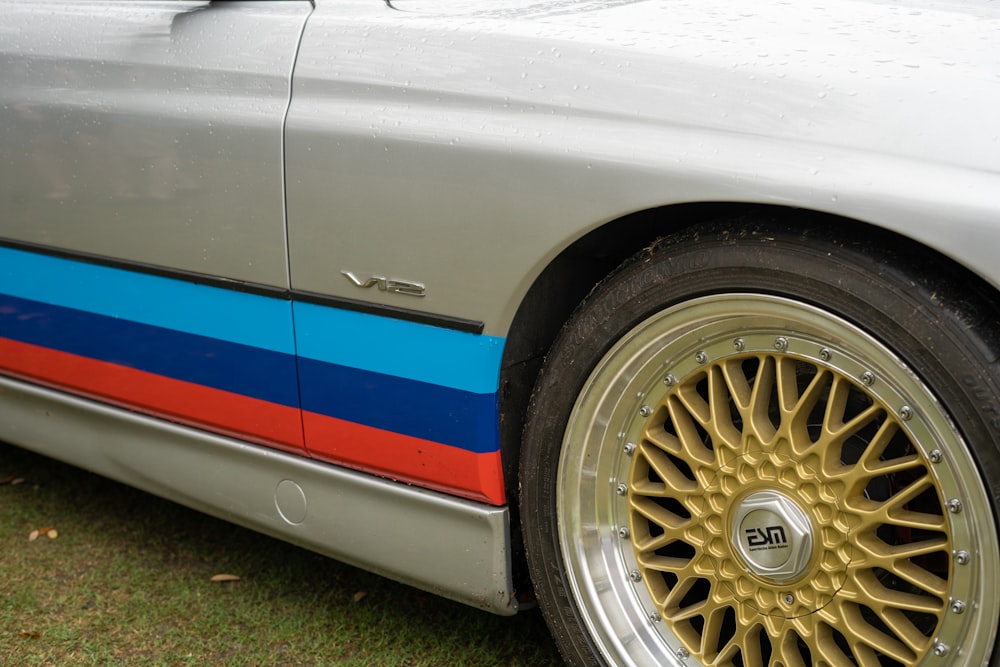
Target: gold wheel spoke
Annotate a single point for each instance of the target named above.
(758, 413)
(692, 448)
(866, 656)
(674, 482)
(865, 588)
(714, 614)
(827, 649)
(922, 578)
(905, 630)
(721, 428)
(860, 631)
(785, 652)
(671, 603)
(672, 524)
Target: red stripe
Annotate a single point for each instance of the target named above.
(400, 457)
(224, 412)
(407, 459)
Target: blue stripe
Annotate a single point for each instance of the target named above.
(422, 410)
(428, 354)
(241, 369)
(212, 312)
(415, 379)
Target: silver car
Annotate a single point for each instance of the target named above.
(685, 315)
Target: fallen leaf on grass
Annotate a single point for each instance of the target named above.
(225, 577)
(49, 531)
(359, 596)
(30, 634)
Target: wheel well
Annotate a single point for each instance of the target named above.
(575, 272)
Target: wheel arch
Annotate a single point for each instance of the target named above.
(567, 280)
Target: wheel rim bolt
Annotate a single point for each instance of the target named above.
(955, 506)
(868, 378)
(623, 533)
(906, 413)
(683, 653)
(621, 489)
(958, 607)
(781, 343)
(670, 380)
(701, 357)
(739, 344)
(941, 650)
(635, 576)
(629, 448)
(826, 354)
(645, 411)
(963, 557)
(936, 456)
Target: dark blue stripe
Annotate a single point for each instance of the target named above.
(419, 409)
(233, 367)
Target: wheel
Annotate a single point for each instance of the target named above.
(755, 447)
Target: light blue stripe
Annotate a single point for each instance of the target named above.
(229, 315)
(445, 357)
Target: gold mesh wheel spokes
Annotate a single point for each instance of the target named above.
(872, 585)
(750, 481)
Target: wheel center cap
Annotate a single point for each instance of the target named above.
(773, 535)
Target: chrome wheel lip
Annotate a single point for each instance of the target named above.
(610, 414)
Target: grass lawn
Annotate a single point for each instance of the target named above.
(127, 580)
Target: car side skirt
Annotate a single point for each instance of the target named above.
(448, 546)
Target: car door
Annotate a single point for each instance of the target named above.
(142, 230)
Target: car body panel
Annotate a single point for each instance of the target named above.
(452, 547)
(168, 147)
(157, 122)
(511, 131)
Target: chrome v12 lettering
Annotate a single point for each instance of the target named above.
(387, 285)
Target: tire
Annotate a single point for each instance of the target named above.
(756, 447)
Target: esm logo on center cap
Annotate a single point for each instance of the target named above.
(772, 534)
(768, 537)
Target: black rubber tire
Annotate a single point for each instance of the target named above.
(900, 295)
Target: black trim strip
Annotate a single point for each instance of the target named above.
(445, 321)
(394, 312)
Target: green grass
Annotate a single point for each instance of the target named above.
(128, 582)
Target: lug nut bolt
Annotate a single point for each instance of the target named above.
(629, 448)
(906, 413)
(645, 411)
(621, 489)
(955, 506)
(623, 533)
(936, 456)
(963, 557)
(941, 650)
(958, 607)
(701, 357)
(739, 345)
(781, 343)
(868, 378)
(635, 576)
